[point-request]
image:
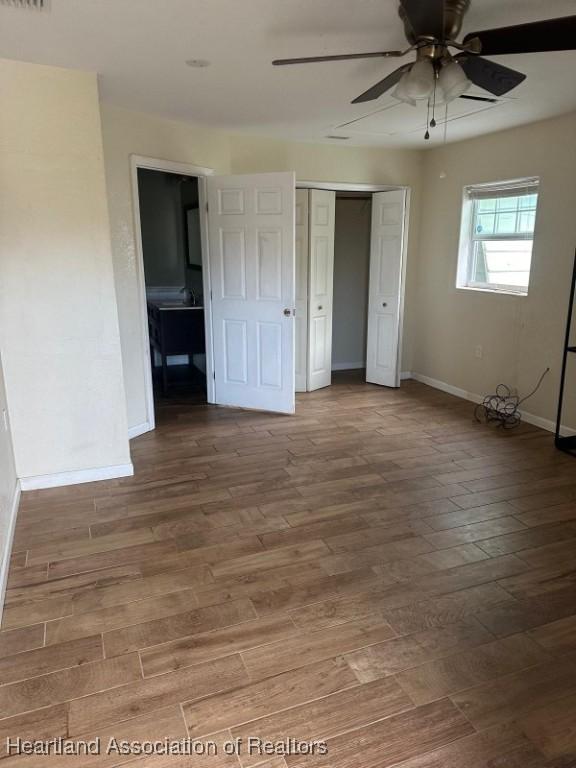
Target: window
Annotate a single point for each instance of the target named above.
(497, 236)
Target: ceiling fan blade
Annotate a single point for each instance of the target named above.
(479, 98)
(425, 17)
(493, 77)
(535, 37)
(341, 57)
(383, 86)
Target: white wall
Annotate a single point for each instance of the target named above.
(127, 133)
(8, 490)
(58, 320)
(351, 268)
(520, 336)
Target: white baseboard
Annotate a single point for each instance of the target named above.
(406, 375)
(76, 477)
(347, 366)
(451, 390)
(139, 429)
(529, 418)
(5, 555)
(549, 426)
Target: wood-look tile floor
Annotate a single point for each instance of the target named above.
(378, 572)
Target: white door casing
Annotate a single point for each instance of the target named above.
(322, 217)
(301, 321)
(385, 300)
(252, 271)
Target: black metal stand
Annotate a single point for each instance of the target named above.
(566, 444)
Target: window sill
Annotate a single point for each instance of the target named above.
(495, 291)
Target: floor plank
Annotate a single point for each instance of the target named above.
(42, 661)
(314, 646)
(271, 695)
(327, 717)
(61, 686)
(518, 694)
(457, 672)
(162, 630)
(393, 739)
(139, 698)
(395, 655)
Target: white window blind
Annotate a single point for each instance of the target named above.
(498, 222)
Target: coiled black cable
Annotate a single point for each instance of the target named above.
(503, 408)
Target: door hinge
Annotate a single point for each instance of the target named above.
(214, 375)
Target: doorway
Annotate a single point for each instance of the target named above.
(172, 253)
(350, 266)
(170, 226)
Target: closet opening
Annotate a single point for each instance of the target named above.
(352, 228)
(350, 267)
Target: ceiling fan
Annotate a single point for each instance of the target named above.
(438, 75)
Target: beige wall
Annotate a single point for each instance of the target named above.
(7, 487)
(58, 320)
(520, 336)
(127, 133)
(326, 162)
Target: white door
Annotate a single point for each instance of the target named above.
(320, 287)
(301, 321)
(385, 300)
(251, 256)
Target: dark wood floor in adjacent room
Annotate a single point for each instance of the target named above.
(379, 572)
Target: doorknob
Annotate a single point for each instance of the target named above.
(320, 307)
(288, 312)
(384, 304)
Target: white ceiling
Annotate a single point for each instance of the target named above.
(139, 49)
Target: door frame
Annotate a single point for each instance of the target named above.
(338, 186)
(341, 186)
(182, 169)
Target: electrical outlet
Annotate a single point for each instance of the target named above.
(5, 419)
(479, 352)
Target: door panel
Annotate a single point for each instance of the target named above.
(252, 265)
(301, 321)
(320, 299)
(386, 288)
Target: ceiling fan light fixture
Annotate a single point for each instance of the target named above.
(419, 82)
(452, 81)
(401, 94)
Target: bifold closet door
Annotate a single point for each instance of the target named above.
(385, 295)
(322, 215)
(252, 268)
(301, 320)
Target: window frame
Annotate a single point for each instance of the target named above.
(472, 194)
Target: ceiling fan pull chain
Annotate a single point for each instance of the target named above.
(433, 121)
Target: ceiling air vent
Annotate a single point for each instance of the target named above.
(35, 5)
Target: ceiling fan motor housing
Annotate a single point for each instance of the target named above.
(454, 12)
